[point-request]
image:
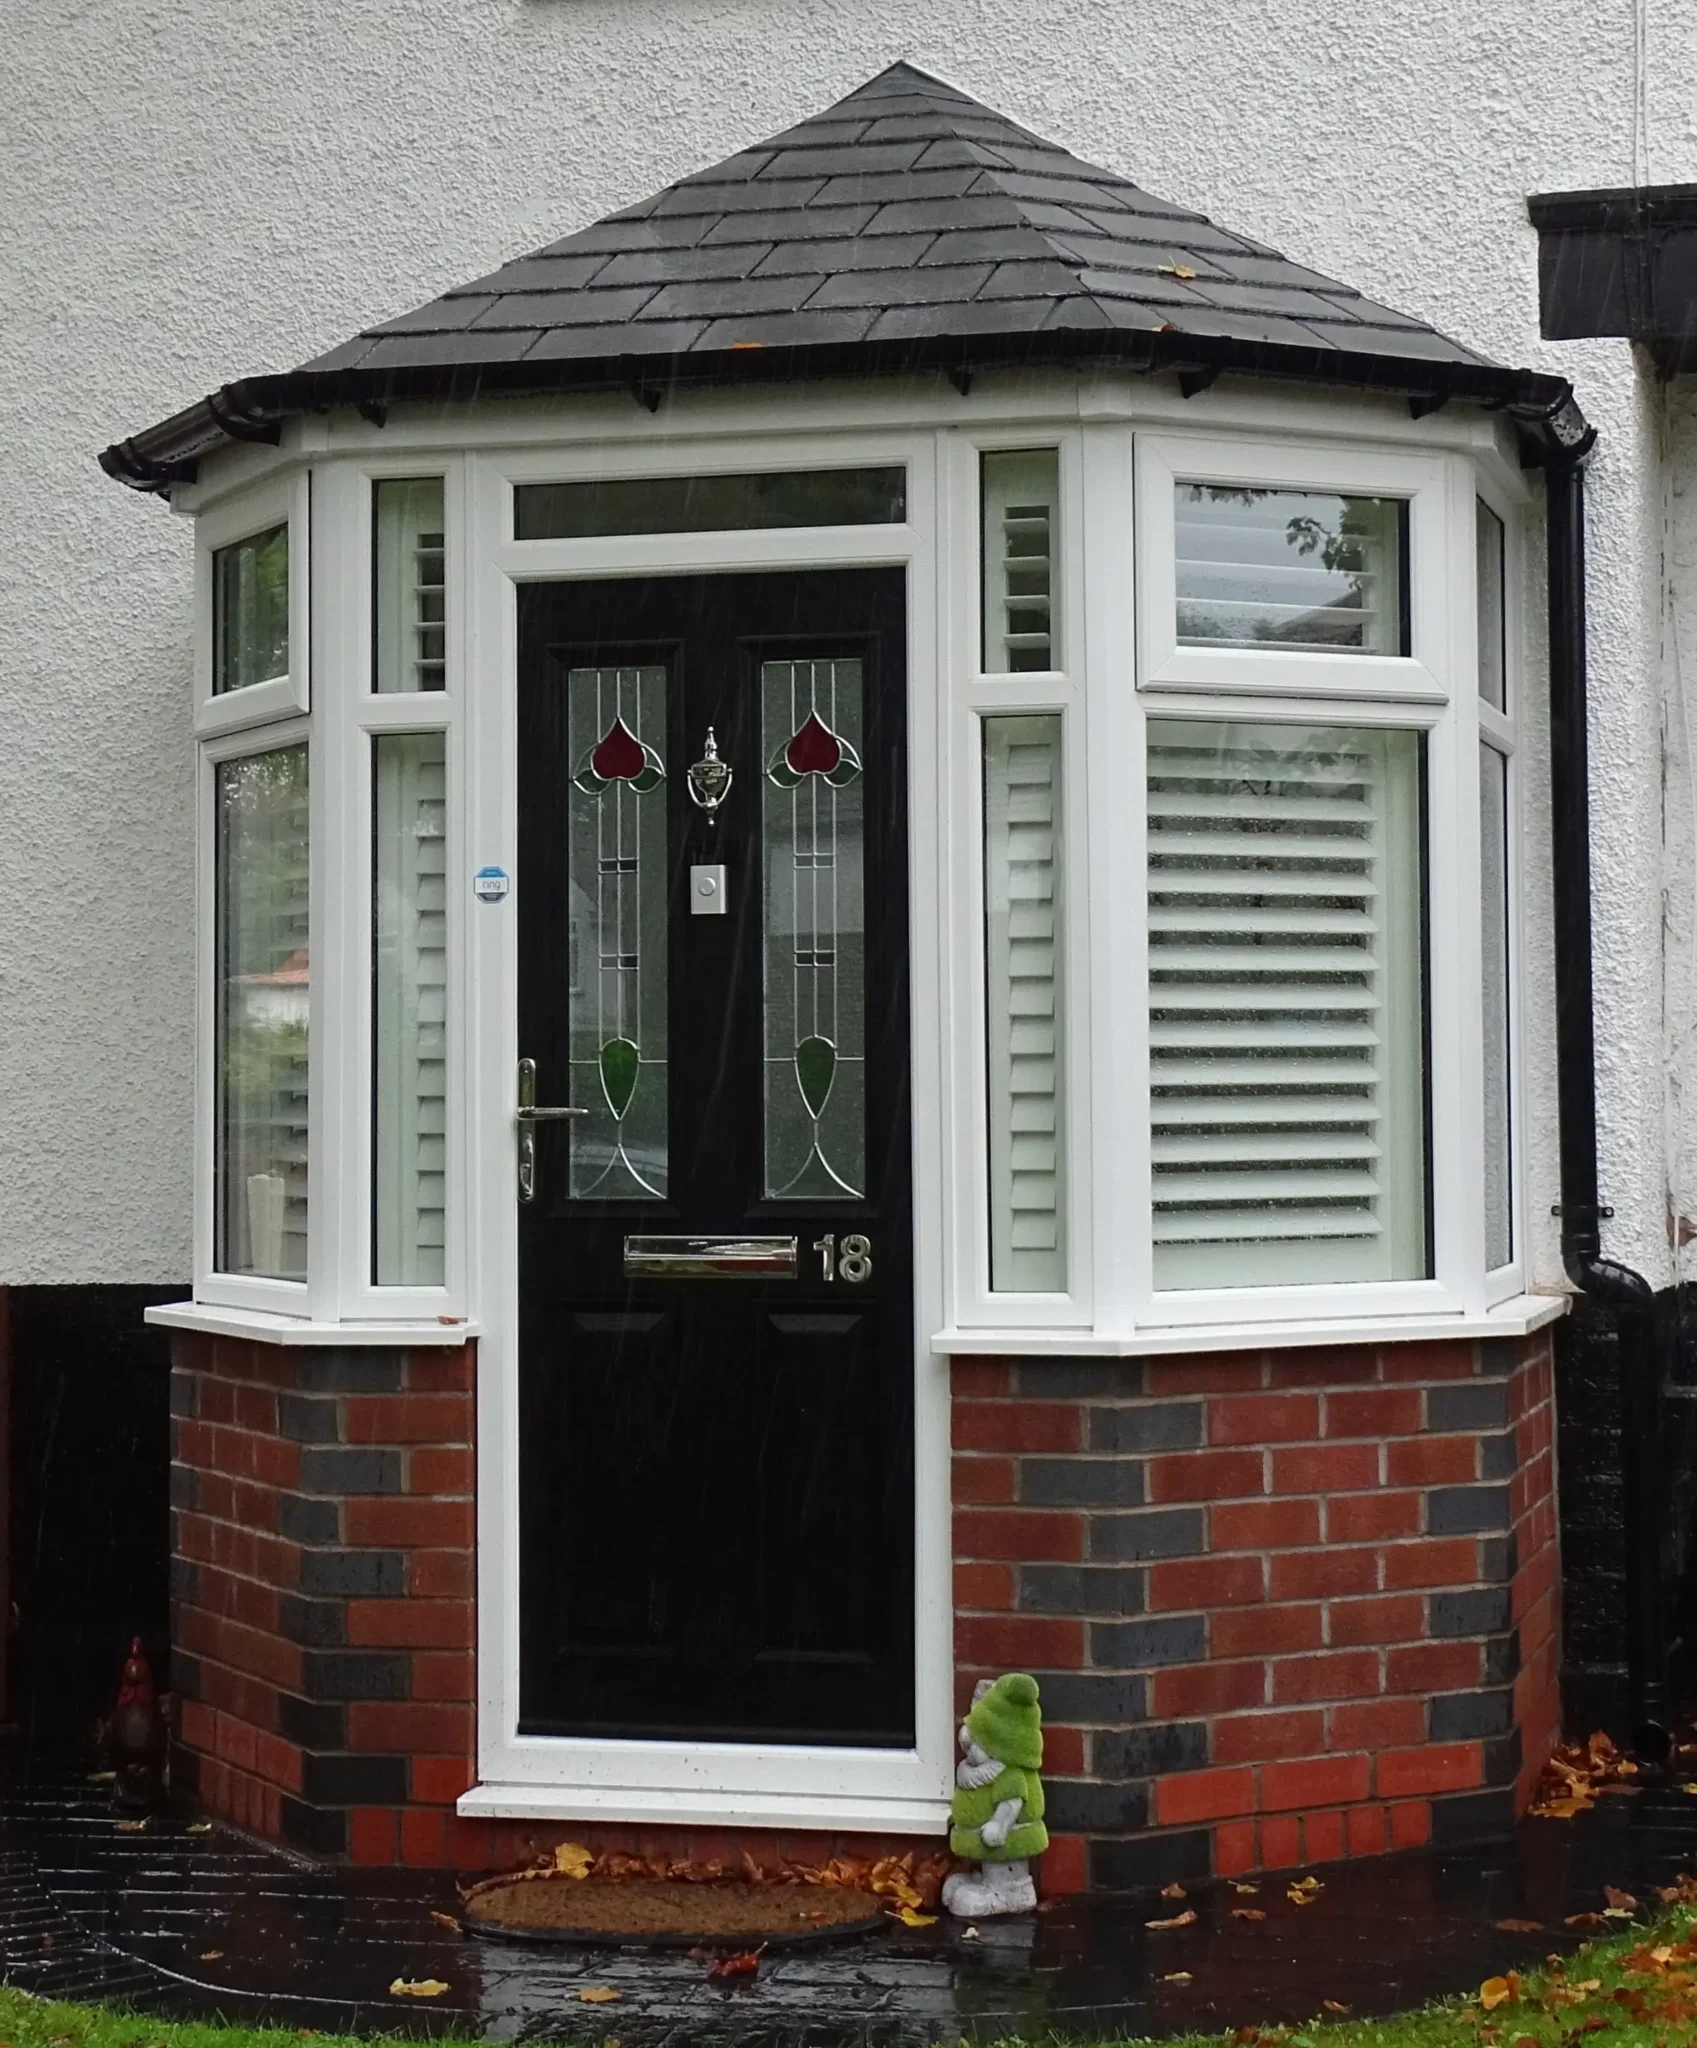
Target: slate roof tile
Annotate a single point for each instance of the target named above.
(902, 287)
(906, 211)
(864, 252)
(711, 299)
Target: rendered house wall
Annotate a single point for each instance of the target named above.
(225, 189)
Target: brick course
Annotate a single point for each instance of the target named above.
(1337, 1570)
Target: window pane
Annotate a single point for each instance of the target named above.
(1287, 1012)
(409, 1008)
(815, 930)
(262, 982)
(1493, 664)
(409, 626)
(616, 718)
(1308, 569)
(710, 504)
(250, 611)
(1021, 493)
(1022, 965)
(1494, 908)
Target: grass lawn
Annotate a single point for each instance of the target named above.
(1639, 1988)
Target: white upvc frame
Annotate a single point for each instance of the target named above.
(769, 1784)
(285, 501)
(1424, 674)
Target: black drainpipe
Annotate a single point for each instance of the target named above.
(1626, 1296)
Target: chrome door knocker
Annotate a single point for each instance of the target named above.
(710, 778)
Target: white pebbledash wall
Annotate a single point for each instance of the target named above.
(196, 190)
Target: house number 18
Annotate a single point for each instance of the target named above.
(851, 1262)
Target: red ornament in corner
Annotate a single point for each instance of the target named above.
(139, 1733)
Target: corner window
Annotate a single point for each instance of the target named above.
(1020, 532)
(1287, 1017)
(409, 1009)
(409, 584)
(250, 611)
(261, 987)
(1023, 998)
(1493, 650)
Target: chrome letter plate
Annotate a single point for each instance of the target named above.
(710, 1258)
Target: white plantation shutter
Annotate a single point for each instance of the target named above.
(411, 584)
(1287, 1033)
(411, 1009)
(1022, 890)
(1021, 520)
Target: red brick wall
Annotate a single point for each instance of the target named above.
(1285, 1607)
(322, 1609)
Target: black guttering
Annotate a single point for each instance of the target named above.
(1621, 262)
(254, 409)
(1625, 1294)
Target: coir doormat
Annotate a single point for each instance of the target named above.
(650, 1913)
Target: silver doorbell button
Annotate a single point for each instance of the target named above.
(707, 891)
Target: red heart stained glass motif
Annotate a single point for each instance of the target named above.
(618, 755)
(814, 749)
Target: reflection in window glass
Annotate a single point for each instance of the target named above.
(250, 611)
(710, 504)
(1022, 974)
(618, 969)
(1287, 1010)
(262, 983)
(1304, 569)
(1488, 535)
(815, 929)
(409, 584)
(409, 1008)
(1494, 912)
(1021, 491)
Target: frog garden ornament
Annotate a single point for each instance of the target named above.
(996, 1813)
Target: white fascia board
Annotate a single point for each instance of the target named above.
(266, 1328)
(1518, 1317)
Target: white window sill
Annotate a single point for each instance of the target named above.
(1518, 1317)
(854, 1813)
(264, 1327)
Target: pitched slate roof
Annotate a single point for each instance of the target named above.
(905, 226)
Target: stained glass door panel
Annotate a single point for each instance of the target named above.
(815, 926)
(716, 1473)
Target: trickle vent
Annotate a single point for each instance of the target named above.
(1022, 889)
(1286, 1025)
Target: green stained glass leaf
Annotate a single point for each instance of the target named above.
(815, 1069)
(619, 1060)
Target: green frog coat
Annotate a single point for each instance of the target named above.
(969, 1809)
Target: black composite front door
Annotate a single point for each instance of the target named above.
(715, 1286)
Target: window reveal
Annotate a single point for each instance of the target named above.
(1287, 1025)
(617, 962)
(815, 946)
(1022, 970)
(262, 986)
(409, 1009)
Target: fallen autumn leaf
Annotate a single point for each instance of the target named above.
(1185, 1919)
(417, 1987)
(599, 1994)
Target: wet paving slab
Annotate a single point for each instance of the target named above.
(209, 1925)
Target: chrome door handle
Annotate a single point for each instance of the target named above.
(527, 1116)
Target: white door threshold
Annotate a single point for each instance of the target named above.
(856, 1813)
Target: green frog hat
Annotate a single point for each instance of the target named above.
(1006, 1724)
